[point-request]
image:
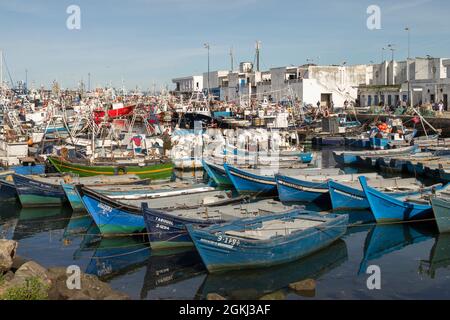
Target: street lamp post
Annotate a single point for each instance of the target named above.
(407, 65)
(206, 45)
(391, 47)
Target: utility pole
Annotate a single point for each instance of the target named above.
(407, 65)
(206, 45)
(382, 54)
(26, 81)
(89, 82)
(258, 44)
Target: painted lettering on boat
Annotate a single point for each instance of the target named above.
(164, 221)
(164, 280)
(105, 209)
(227, 240)
(161, 226)
(218, 244)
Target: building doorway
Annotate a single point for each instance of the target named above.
(325, 100)
(445, 98)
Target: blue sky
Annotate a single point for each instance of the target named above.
(146, 41)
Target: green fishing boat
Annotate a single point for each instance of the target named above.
(155, 170)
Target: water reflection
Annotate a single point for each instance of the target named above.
(384, 239)
(116, 256)
(32, 221)
(79, 224)
(9, 217)
(254, 284)
(168, 267)
(439, 256)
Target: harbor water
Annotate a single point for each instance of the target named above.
(414, 259)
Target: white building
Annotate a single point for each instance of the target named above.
(392, 83)
(187, 85)
(369, 84)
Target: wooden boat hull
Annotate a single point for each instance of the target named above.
(72, 196)
(248, 183)
(169, 231)
(305, 157)
(111, 217)
(8, 191)
(217, 174)
(33, 193)
(155, 171)
(295, 190)
(388, 208)
(379, 143)
(441, 209)
(354, 157)
(344, 197)
(220, 252)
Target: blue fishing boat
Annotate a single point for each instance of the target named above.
(354, 157)
(246, 182)
(125, 217)
(357, 142)
(135, 191)
(8, 190)
(441, 209)
(267, 240)
(112, 217)
(73, 197)
(388, 208)
(251, 285)
(305, 157)
(217, 173)
(297, 190)
(37, 193)
(167, 230)
(28, 169)
(309, 188)
(349, 195)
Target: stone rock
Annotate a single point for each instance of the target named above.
(91, 288)
(117, 296)
(214, 296)
(277, 295)
(7, 253)
(304, 285)
(8, 276)
(18, 262)
(31, 269)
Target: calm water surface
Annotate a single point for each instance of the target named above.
(414, 261)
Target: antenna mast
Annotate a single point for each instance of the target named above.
(232, 59)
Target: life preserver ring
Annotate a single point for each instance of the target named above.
(121, 170)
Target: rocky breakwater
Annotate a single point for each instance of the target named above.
(27, 280)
